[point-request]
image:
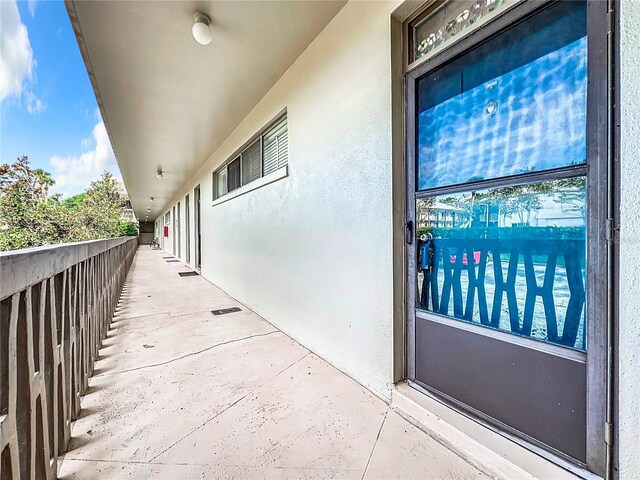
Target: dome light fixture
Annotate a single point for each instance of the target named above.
(159, 173)
(151, 199)
(201, 29)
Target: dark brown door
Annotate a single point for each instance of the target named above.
(505, 313)
(198, 234)
(187, 230)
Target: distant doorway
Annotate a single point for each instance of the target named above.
(179, 228)
(198, 234)
(173, 237)
(187, 230)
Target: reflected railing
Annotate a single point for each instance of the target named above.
(528, 287)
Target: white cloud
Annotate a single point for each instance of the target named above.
(32, 7)
(34, 104)
(16, 55)
(73, 174)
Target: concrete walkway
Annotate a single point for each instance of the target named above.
(181, 394)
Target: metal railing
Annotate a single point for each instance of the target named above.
(56, 306)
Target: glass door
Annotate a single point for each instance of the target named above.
(501, 167)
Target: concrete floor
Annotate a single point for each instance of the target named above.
(180, 393)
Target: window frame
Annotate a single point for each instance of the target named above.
(430, 8)
(238, 155)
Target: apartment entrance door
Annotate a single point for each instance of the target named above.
(197, 233)
(187, 230)
(507, 198)
(179, 227)
(174, 239)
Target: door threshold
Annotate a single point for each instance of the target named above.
(497, 454)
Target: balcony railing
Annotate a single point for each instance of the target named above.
(56, 306)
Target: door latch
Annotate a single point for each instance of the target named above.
(408, 232)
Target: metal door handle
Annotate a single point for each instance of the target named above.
(408, 232)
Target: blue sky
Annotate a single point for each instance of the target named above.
(47, 107)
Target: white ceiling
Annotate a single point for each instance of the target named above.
(169, 102)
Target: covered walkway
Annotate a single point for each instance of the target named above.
(180, 393)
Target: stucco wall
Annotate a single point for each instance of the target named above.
(629, 323)
(312, 253)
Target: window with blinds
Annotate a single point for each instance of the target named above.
(274, 152)
(265, 155)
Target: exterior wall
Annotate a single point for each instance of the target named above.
(629, 295)
(312, 253)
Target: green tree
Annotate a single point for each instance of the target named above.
(101, 210)
(571, 193)
(29, 217)
(520, 200)
(75, 201)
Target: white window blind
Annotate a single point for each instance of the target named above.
(265, 155)
(275, 152)
(222, 182)
(251, 163)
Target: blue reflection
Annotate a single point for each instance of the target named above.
(531, 118)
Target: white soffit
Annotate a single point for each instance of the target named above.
(169, 102)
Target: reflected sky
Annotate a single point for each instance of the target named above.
(531, 118)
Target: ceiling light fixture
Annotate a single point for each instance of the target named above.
(151, 199)
(201, 30)
(159, 173)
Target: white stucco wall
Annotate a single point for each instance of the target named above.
(312, 252)
(629, 322)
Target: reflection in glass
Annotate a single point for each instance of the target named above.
(451, 21)
(509, 258)
(512, 105)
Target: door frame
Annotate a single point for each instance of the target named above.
(197, 224)
(173, 228)
(179, 229)
(601, 203)
(187, 230)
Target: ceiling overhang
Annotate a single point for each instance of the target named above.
(168, 102)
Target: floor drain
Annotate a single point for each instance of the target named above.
(188, 274)
(226, 310)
